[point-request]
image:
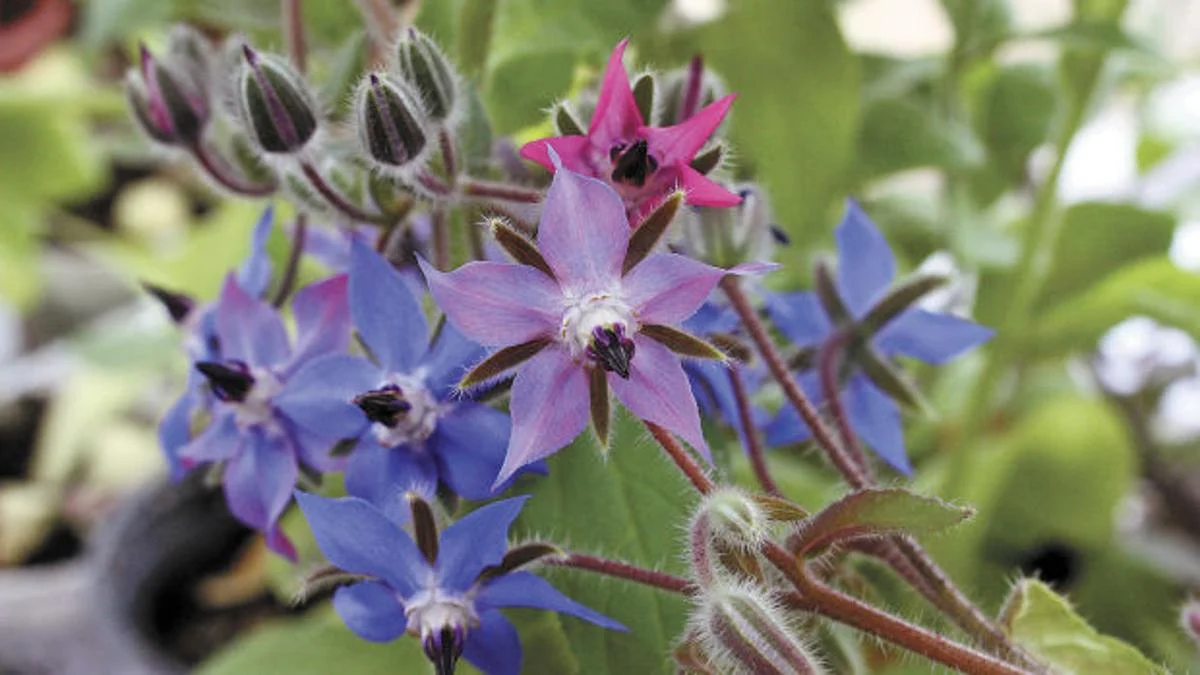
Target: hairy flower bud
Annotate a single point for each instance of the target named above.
(735, 519)
(743, 631)
(390, 125)
(167, 103)
(276, 106)
(193, 54)
(422, 64)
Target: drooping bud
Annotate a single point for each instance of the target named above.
(178, 305)
(611, 349)
(389, 118)
(278, 110)
(746, 632)
(166, 103)
(422, 63)
(231, 381)
(735, 519)
(386, 405)
(632, 163)
(193, 54)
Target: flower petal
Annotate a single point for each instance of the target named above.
(711, 380)
(220, 440)
(525, 589)
(678, 144)
(254, 275)
(788, 427)
(322, 320)
(572, 151)
(876, 418)
(448, 359)
(494, 647)
(371, 610)
(583, 232)
(616, 116)
(469, 445)
(704, 191)
(250, 330)
(383, 476)
(475, 541)
(866, 265)
(386, 314)
(799, 316)
(318, 397)
(931, 337)
(549, 408)
(175, 430)
(496, 303)
(357, 538)
(667, 288)
(259, 480)
(657, 391)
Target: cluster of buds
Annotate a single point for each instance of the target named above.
(170, 96)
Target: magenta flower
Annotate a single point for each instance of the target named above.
(588, 310)
(642, 163)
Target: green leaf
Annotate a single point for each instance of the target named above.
(19, 277)
(1045, 624)
(1014, 113)
(57, 159)
(979, 25)
(628, 507)
(874, 512)
(906, 132)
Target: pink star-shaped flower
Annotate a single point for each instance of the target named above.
(642, 163)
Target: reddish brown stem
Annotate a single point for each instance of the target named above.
(336, 199)
(750, 439)
(290, 271)
(449, 156)
(828, 360)
(293, 30)
(682, 459)
(504, 192)
(627, 571)
(215, 167)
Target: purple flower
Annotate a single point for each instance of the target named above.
(643, 163)
(710, 379)
(202, 344)
(447, 594)
(410, 427)
(258, 440)
(585, 318)
(865, 270)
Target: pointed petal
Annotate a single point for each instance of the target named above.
(322, 320)
(475, 541)
(657, 391)
(259, 480)
(319, 396)
(497, 303)
(583, 232)
(314, 450)
(704, 191)
(494, 647)
(679, 143)
(549, 408)
(250, 330)
(254, 275)
(668, 288)
(449, 359)
(616, 116)
(931, 337)
(877, 419)
(788, 427)
(469, 445)
(714, 381)
(865, 262)
(711, 318)
(220, 440)
(386, 314)
(572, 152)
(383, 476)
(525, 589)
(799, 316)
(357, 538)
(371, 610)
(175, 430)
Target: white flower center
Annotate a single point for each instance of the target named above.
(589, 312)
(432, 610)
(256, 407)
(419, 422)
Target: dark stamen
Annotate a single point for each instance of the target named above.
(385, 405)
(444, 648)
(632, 164)
(611, 349)
(230, 381)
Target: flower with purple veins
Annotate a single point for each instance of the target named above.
(586, 312)
(643, 163)
(446, 590)
(255, 436)
(865, 271)
(410, 425)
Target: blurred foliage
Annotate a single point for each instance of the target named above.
(1043, 461)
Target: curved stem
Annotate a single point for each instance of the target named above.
(505, 192)
(216, 168)
(629, 572)
(433, 184)
(449, 156)
(293, 31)
(288, 282)
(828, 359)
(336, 199)
(682, 459)
(750, 439)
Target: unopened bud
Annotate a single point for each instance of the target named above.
(166, 103)
(735, 519)
(745, 632)
(422, 63)
(389, 122)
(277, 108)
(193, 54)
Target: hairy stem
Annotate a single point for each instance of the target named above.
(750, 439)
(629, 572)
(288, 281)
(682, 459)
(505, 192)
(221, 172)
(449, 156)
(828, 359)
(336, 199)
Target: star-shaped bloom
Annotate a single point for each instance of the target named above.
(256, 437)
(643, 163)
(447, 591)
(412, 427)
(589, 309)
(865, 271)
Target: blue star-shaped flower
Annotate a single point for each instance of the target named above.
(865, 270)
